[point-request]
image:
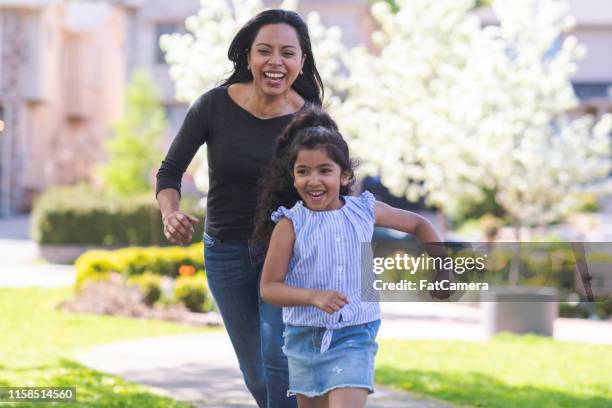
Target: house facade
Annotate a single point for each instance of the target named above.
(61, 82)
(593, 80)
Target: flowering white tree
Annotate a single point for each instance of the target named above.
(198, 59)
(448, 108)
(542, 159)
(401, 99)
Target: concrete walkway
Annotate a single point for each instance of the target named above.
(20, 265)
(456, 321)
(201, 369)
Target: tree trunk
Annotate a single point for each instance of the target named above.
(442, 223)
(515, 266)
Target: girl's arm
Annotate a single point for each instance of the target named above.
(273, 288)
(406, 221)
(409, 222)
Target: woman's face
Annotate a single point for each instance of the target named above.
(275, 59)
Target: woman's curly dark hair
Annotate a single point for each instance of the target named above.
(311, 128)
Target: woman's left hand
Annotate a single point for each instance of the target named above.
(178, 227)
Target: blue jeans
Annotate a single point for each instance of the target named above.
(233, 270)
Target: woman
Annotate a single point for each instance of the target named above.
(274, 76)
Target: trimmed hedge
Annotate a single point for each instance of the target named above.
(193, 292)
(98, 264)
(83, 216)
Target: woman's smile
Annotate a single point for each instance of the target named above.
(273, 79)
(273, 75)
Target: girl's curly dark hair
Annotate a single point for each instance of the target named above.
(311, 128)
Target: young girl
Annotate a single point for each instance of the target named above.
(312, 267)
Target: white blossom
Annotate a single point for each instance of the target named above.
(448, 107)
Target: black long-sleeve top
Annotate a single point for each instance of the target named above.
(240, 146)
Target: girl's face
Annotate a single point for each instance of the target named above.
(275, 59)
(317, 179)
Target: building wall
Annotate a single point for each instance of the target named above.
(41, 94)
(591, 12)
(597, 66)
(593, 80)
(93, 78)
(62, 84)
(352, 16)
(12, 157)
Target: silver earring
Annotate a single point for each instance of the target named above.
(301, 72)
(248, 67)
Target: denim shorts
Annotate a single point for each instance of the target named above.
(348, 363)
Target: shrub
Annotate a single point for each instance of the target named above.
(570, 310)
(150, 286)
(82, 216)
(490, 226)
(603, 309)
(193, 292)
(462, 210)
(136, 261)
(587, 203)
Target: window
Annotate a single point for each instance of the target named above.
(592, 90)
(161, 29)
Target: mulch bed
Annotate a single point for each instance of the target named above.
(118, 299)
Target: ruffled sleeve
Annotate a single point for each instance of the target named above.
(367, 201)
(293, 214)
(362, 207)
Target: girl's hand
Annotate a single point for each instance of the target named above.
(441, 294)
(328, 301)
(178, 227)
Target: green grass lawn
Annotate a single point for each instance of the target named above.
(37, 343)
(509, 371)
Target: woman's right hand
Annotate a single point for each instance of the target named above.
(178, 227)
(328, 301)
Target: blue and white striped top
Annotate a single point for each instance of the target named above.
(327, 256)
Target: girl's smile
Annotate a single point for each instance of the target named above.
(317, 179)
